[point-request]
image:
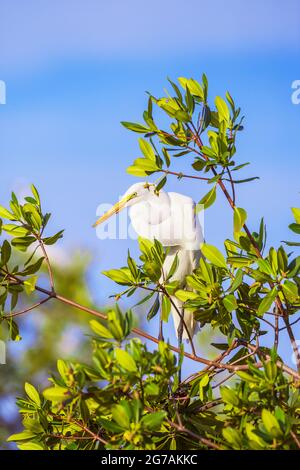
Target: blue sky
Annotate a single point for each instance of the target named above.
(75, 69)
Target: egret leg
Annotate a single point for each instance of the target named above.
(180, 333)
(160, 333)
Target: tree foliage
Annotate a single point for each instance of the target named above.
(129, 396)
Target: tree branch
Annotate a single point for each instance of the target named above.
(28, 309)
(153, 339)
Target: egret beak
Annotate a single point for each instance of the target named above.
(115, 209)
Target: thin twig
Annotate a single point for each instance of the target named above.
(276, 329)
(223, 380)
(28, 309)
(295, 439)
(50, 272)
(280, 364)
(182, 175)
(91, 433)
(293, 341)
(195, 436)
(71, 438)
(209, 405)
(293, 323)
(232, 185)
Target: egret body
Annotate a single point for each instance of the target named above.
(170, 218)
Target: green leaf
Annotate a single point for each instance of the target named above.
(194, 87)
(161, 184)
(167, 156)
(100, 330)
(239, 261)
(32, 424)
(32, 216)
(15, 230)
(169, 105)
(22, 243)
(282, 259)
(213, 255)
(220, 346)
(202, 385)
(185, 295)
(142, 167)
(273, 258)
(165, 308)
(233, 437)
(120, 276)
(152, 389)
(270, 423)
(125, 360)
(136, 171)
(6, 214)
(146, 164)
(237, 281)
(239, 218)
(29, 284)
(121, 415)
(5, 252)
(154, 309)
(229, 396)
(33, 268)
(147, 149)
(265, 266)
(110, 425)
(247, 377)
(21, 436)
(135, 127)
(222, 108)
(115, 324)
(291, 291)
(13, 327)
(291, 243)
(33, 393)
(182, 116)
(56, 394)
(132, 267)
(207, 200)
(63, 369)
(267, 301)
(153, 421)
(84, 410)
(246, 180)
(31, 446)
(152, 270)
(174, 267)
(296, 213)
(36, 194)
(199, 164)
(270, 371)
(230, 303)
(230, 100)
(295, 228)
(54, 238)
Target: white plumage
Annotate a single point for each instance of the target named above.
(169, 218)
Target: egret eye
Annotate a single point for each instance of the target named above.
(133, 195)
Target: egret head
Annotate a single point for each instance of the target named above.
(136, 193)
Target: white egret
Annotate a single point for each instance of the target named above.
(170, 218)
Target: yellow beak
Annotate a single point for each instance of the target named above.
(115, 209)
